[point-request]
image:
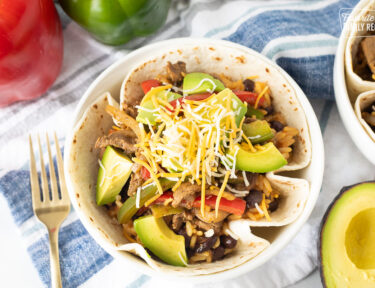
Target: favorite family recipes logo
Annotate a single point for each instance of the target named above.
(363, 22)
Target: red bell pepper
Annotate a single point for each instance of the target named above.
(148, 84)
(236, 206)
(194, 97)
(31, 48)
(249, 97)
(145, 173)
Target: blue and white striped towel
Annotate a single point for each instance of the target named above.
(301, 36)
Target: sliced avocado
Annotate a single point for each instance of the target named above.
(251, 111)
(266, 160)
(146, 114)
(258, 131)
(238, 107)
(114, 171)
(195, 83)
(160, 240)
(347, 239)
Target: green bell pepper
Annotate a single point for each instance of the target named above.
(115, 22)
(128, 209)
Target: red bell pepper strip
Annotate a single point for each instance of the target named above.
(249, 97)
(236, 206)
(145, 173)
(31, 49)
(148, 84)
(194, 97)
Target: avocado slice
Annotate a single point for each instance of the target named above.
(266, 160)
(146, 114)
(258, 131)
(347, 238)
(195, 83)
(160, 240)
(114, 171)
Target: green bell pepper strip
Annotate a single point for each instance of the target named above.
(115, 22)
(256, 112)
(128, 209)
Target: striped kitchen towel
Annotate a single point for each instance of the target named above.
(301, 36)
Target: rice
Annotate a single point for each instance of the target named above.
(284, 139)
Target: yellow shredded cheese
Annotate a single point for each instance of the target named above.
(127, 236)
(260, 96)
(153, 176)
(154, 91)
(264, 209)
(151, 200)
(226, 177)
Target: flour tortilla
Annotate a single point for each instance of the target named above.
(363, 101)
(83, 165)
(354, 82)
(83, 168)
(238, 65)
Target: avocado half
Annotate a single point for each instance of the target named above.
(347, 239)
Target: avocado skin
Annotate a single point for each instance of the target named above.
(323, 222)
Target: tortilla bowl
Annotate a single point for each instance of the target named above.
(355, 83)
(90, 122)
(363, 101)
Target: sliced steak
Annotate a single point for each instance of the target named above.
(177, 221)
(130, 109)
(123, 139)
(136, 181)
(176, 72)
(207, 226)
(186, 192)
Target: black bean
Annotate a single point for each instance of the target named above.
(269, 109)
(255, 196)
(278, 126)
(227, 241)
(249, 85)
(207, 244)
(273, 205)
(183, 233)
(189, 252)
(218, 253)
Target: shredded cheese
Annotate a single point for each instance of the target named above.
(226, 177)
(138, 198)
(264, 209)
(150, 201)
(153, 176)
(191, 140)
(259, 97)
(127, 236)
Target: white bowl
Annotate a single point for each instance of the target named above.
(111, 79)
(356, 131)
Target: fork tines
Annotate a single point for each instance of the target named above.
(46, 196)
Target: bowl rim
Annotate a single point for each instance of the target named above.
(351, 123)
(316, 164)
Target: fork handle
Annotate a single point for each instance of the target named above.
(54, 257)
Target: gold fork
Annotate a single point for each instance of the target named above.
(51, 211)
